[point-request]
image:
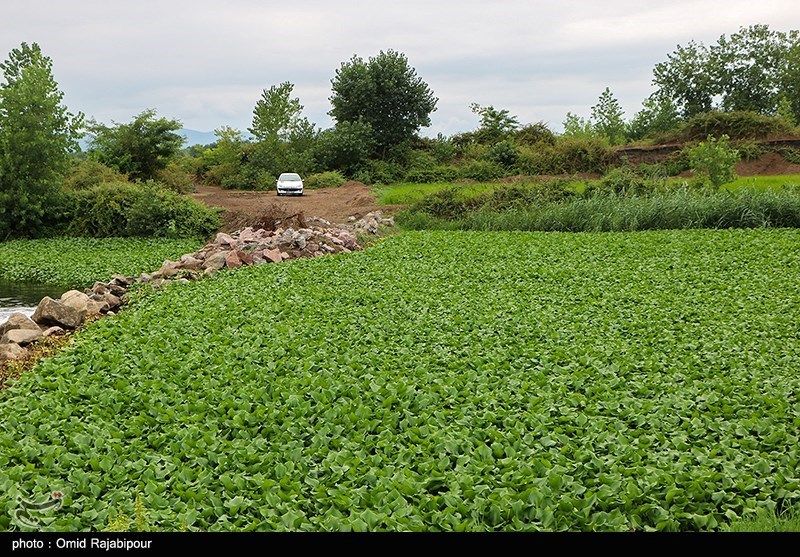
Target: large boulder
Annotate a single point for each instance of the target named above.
(51, 312)
(23, 337)
(216, 261)
(18, 321)
(83, 302)
(11, 352)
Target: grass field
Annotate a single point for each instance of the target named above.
(79, 262)
(407, 194)
(439, 381)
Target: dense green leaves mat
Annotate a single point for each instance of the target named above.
(453, 381)
(79, 262)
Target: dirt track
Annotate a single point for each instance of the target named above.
(333, 204)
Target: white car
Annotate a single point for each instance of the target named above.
(289, 183)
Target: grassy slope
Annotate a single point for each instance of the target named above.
(437, 381)
(78, 262)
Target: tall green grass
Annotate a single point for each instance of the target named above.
(677, 209)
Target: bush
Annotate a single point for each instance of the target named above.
(87, 173)
(379, 172)
(331, 179)
(749, 150)
(123, 209)
(175, 178)
(482, 171)
(790, 155)
(714, 159)
(576, 154)
(624, 181)
(437, 174)
(533, 134)
(736, 125)
(503, 153)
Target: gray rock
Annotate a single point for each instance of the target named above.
(225, 240)
(52, 331)
(99, 288)
(18, 321)
(75, 299)
(120, 280)
(168, 269)
(216, 261)
(112, 301)
(300, 242)
(50, 312)
(23, 337)
(11, 352)
(191, 263)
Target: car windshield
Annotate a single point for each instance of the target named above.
(289, 178)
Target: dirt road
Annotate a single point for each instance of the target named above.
(333, 204)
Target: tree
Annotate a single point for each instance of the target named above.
(685, 79)
(495, 124)
(276, 114)
(346, 146)
(37, 135)
(384, 92)
(575, 126)
(139, 149)
(607, 118)
(748, 67)
(714, 159)
(658, 115)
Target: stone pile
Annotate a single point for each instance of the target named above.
(228, 251)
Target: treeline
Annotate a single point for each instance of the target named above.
(745, 87)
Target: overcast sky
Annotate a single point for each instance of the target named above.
(205, 62)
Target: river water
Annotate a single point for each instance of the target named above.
(23, 296)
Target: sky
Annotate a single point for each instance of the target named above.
(206, 62)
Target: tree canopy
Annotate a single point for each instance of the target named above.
(384, 92)
(140, 148)
(37, 134)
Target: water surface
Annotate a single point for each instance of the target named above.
(22, 297)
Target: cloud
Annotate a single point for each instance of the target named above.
(206, 62)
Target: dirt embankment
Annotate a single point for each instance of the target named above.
(352, 199)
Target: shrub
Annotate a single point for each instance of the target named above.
(482, 171)
(578, 154)
(87, 173)
(624, 181)
(175, 178)
(736, 125)
(503, 153)
(535, 133)
(714, 159)
(124, 209)
(749, 150)
(790, 155)
(379, 172)
(436, 174)
(331, 179)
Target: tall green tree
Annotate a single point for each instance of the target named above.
(384, 92)
(140, 148)
(495, 124)
(608, 118)
(684, 78)
(276, 113)
(37, 135)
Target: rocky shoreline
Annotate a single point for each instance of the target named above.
(228, 251)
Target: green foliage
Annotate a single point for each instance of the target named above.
(140, 148)
(765, 520)
(123, 209)
(443, 149)
(714, 160)
(495, 124)
(791, 155)
(625, 181)
(379, 172)
(330, 179)
(385, 93)
(175, 178)
(533, 134)
(752, 70)
(608, 118)
(87, 173)
(531, 382)
(598, 210)
(504, 153)
(736, 125)
(748, 150)
(79, 262)
(345, 147)
(434, 174)
(37, 133)
(222, 162)
(482, 171)
(276, 114)
(658, 116)
(577, 127)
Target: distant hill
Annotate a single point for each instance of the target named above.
(194, 137)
